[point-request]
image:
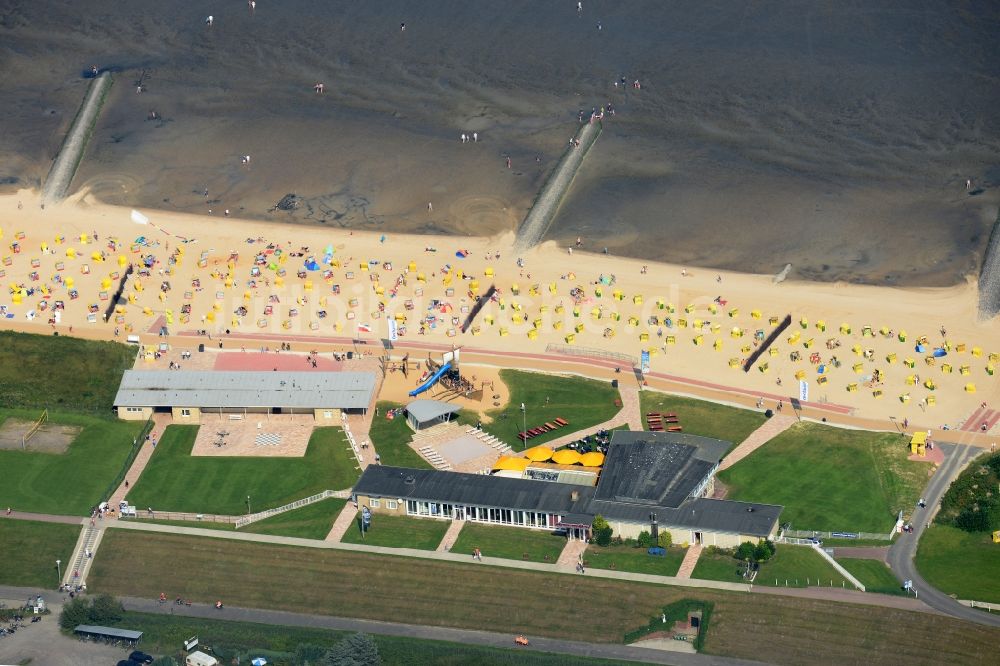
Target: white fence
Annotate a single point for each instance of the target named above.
(242, 521)
(806, 534)
(980, 604)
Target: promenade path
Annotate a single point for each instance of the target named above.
(160, 423)
(629, 415)
(450, 536)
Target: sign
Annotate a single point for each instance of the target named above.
(393, 334)
(844, 535)
(366, 516)
(645, 361)
(191, 643)
(804, 390)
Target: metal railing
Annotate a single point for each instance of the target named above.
(591, 352)
(267, 513)
(807, 534)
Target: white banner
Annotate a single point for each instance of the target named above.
(392, 330)
(804, 390)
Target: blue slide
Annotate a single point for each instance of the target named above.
(432, 380)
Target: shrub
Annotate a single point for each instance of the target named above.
(355, 650)
(602, 531)
(746, 551)
(664, 540)
(973, 520)
(763, 551)
(645, 539)
(76, 612)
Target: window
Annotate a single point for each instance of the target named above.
(391, 504)
(374, 502)
(133, 409)
(185, 412)
(411, 507)
(327, 414)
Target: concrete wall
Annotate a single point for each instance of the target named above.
(144, 414)
(194, 416)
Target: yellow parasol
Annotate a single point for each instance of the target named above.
(592, 459)
(566, 457)
(511, 463)
(538, 453)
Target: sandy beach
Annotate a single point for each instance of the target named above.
(197, 273)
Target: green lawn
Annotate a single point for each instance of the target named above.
(309, 522)
(61, 373)
(799, 566)
(29, 550)
(398, 532)
(72, 482)
(391, 438)
(583, 402)
(280, 644)
(636, 560)
(700, 417)
(512, 543)
(830, 479)
(874, 574)
(965, 564)
(176, 481)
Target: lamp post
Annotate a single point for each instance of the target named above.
(248, 505)
(654, 529)
(524, 425)
(59, 571)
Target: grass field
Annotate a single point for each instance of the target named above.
(791, 566)
(583, 402)
(391, 439)
(29, 550)
(72, 482)
(700, 417)
(399, 532)
(515, 601)
(875, 575)
(163, 633)
(309, 522)
(61, 373)
(512, 543)
(176, 481)
(636, 560)
(966, 564)
(830, 479)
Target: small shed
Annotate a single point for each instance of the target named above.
(421, 414)
(108, 634)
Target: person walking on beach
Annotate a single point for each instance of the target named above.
(318, 88)
(475, 137)
(508, 161)
(210, 20)
(253, 6)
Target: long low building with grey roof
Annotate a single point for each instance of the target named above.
(648, 478)
(190, 394)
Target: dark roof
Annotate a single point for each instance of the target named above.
(577, 520)
(427, 410)
(111, 632)
(710, 515)
(433, 485)
(657, 468)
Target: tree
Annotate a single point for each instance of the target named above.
(664, 540)
(602, 531)
(355, 650)
(106, 610)
(308, 653)
(76, 612)
(645, 539)
(745, 551)
(763, 551)
(973, 520)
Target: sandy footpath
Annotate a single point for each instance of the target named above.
(203, 274)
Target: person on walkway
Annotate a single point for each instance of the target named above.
(508, 161)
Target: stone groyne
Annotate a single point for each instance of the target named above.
(61, 174)
(544, 210)
(989, 276)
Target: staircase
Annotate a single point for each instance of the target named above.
(690, 560)
(773, 427)
(76, 569)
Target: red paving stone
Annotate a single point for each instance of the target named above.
(283, 362)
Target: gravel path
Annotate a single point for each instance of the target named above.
(61, 175)
(547, 204)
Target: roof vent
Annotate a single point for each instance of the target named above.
(574, 496)
(409, 480)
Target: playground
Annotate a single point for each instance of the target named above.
(38, 436)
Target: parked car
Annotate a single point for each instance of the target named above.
(141, 657)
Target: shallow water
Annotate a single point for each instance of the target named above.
(835, 137)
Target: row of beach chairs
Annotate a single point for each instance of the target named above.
(554, 424)
(659, 422)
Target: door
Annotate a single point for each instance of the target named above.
(459, 512)
(697, 538)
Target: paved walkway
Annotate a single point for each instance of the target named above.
(572, 553)
(44, 517)
(771, 428)
(630, 415)
(160, 423)
(344, 521)
(448, 540)
(359, 426)
(690, 561)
